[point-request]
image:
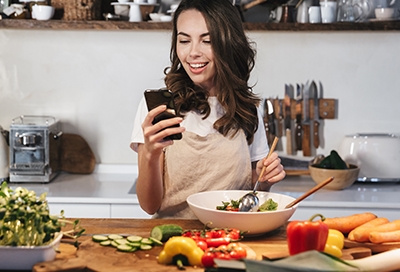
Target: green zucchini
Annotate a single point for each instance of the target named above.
(164, 232)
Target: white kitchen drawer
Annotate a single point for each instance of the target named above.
(81, 210)
(128, 211)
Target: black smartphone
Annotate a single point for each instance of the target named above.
(155, 98)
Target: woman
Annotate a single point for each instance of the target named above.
(224, 143)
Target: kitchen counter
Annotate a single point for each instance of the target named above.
(109, 193)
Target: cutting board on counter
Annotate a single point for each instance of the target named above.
(92, 256)
(76, 156)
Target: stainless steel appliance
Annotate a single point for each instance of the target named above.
(34, 148)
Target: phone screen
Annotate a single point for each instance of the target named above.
(155, 98)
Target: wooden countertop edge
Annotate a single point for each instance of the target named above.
(125, 25)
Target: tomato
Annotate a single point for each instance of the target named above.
(234, 234)
(202, 244)
(240, 251)
(207, 260)
(223, 255)
(216, 242)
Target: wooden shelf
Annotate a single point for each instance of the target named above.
(124, 25)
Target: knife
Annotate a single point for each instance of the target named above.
(269, 122)
(298, 130)
(280, 117)
(288, 121)
(305, 144)
(316, 115)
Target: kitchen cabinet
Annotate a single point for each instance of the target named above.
(124, 25)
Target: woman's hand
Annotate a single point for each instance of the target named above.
(274, 171)
(154, 135)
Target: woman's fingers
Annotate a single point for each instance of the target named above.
(274, 171)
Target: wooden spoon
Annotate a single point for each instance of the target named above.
(309, 192)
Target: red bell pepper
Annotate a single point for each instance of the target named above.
(307, 235)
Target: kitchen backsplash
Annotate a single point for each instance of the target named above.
(92, 81)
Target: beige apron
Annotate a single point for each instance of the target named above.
(196, 164)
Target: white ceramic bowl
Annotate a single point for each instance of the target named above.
(25, 257)
(384, 13)
(43, 13)
(156, 17)
(166, 18)
(255, 223)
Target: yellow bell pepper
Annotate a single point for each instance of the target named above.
(181, 251)
(334, 243)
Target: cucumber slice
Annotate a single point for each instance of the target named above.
(99, 238)
(105, 243)
(155, 241)
(125, 248)
(145, 247)
(146, 241)
(164, 232)
(115, 236)
(122, 241)
(114, 244)
(136, 244)
(134, 238)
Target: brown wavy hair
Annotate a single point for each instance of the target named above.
(234, 61)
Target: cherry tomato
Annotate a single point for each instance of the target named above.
(202, 244)
(223, 255)
(207, 259)
(234, 234)
(240, 251)
(216, 242)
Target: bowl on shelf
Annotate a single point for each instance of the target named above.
(384, 13)
(343, 178)
(42, 12)
(204, 205)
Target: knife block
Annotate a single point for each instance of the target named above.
(327, 108)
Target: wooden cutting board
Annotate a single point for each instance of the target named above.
(92, 256)
(76, 156)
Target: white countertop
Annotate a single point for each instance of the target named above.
(112, 184)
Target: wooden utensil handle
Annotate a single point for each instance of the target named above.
(310, 192)
(305, 145)
(298, 135)
(289, 149)
(316, 134)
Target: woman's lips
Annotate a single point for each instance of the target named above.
(197, 68)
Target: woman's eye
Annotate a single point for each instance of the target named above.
(206, 41)
(184, 41)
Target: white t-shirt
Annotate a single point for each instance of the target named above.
(193, 122)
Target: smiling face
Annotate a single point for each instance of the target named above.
(194, 49)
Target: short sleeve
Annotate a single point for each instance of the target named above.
(137, 133)
(259, 148)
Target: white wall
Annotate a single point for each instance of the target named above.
(92, 80)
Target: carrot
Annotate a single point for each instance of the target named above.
(346, 224)
(373, 223)
(384, 237)
(363, 234)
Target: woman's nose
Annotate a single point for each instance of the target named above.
(195, 50)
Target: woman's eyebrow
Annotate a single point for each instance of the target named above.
(187, 35)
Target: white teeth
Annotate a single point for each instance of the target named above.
(197, 65)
